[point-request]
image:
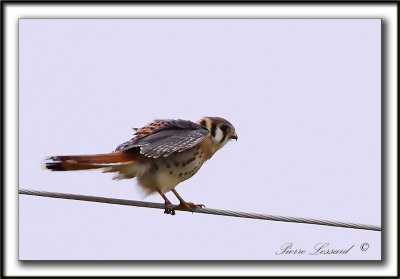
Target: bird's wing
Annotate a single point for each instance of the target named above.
(165, 137)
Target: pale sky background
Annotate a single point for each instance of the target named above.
(304, 96)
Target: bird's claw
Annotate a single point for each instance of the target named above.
(192, 205)
(169, 211)
(187, 206)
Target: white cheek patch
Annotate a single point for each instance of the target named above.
(218, 135)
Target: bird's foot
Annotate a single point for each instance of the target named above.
(169, 210)
(198, 205)
(188, 206)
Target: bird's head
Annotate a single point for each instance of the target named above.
(221, 130)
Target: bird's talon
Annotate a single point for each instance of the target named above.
(188, 206)
(169, 211)
(193, 206)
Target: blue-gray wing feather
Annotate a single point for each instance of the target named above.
(174, 136)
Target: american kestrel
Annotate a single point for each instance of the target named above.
(160, 155)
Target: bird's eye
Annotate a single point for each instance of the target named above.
(223, 128)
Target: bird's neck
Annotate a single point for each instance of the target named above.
(209, 147)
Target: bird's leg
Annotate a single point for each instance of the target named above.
(183, 205)
(167, 202)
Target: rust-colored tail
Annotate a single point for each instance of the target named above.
(87, 162)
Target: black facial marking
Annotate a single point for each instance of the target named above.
(176, 164)
(223, 127)
(180, 174)
(186, 173)
(203, 123)
(223, 138)
(213, 128)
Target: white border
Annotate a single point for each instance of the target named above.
(15, 11)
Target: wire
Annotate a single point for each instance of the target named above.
(200, 210)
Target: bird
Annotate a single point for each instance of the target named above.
(160, 156)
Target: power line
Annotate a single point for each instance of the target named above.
(200, 210)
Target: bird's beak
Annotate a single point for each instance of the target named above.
(235, 137)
